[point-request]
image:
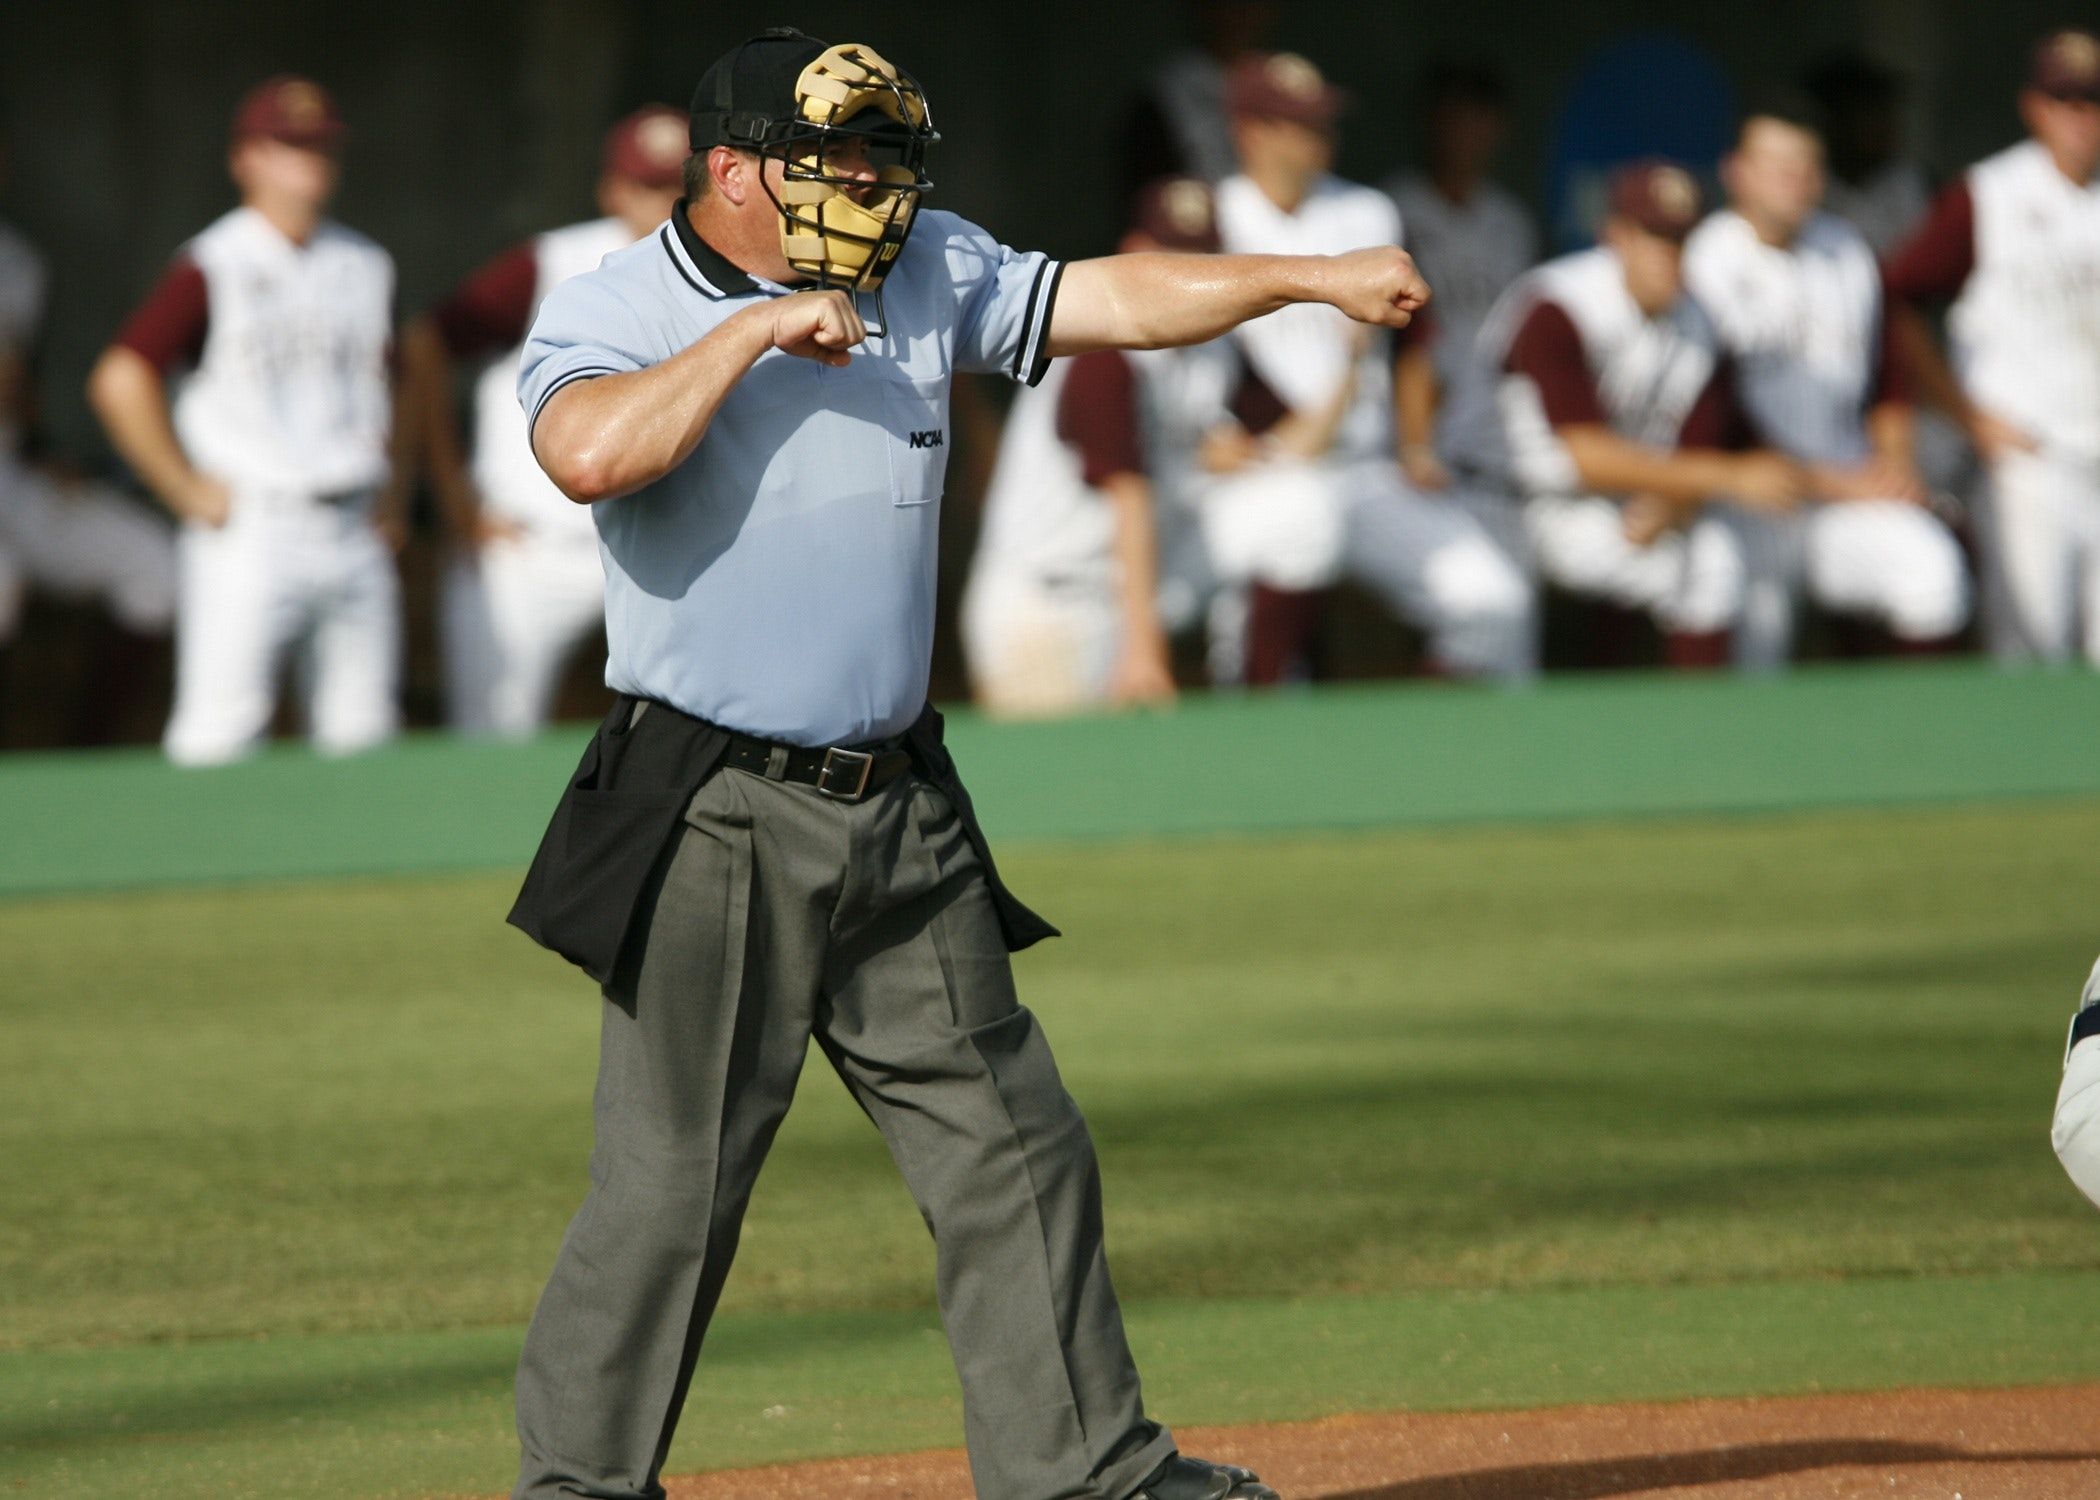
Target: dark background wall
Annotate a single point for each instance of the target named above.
(476, 122)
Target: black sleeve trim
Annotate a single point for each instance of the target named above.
(1028, 319)
(591, 372)
(1040, 364)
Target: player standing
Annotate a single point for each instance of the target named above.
(2076, 1130)
(250, 392)
(1600, 399)
(2015, 243)
(527, 585)
(1430, 559)
(1796, 295)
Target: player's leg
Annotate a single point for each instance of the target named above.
(236, 615)
(356, 645)
(1769, 549)
(1436, 566)
(467, 642)
(1035, 652)
(540, 596)
(1274, 535)
(1889, 560)
(703, 1032)
(923, 1025)
(2076, 1131)
(2029, 548)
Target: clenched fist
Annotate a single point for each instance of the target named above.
(1378, 285)
(818, 325)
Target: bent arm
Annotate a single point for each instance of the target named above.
(429, 426)
(131, 400)
(1160, 300)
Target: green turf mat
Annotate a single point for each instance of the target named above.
(409, 1415)
(1582, 747)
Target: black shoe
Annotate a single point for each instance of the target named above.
(1193, 1479)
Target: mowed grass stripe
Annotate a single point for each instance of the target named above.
(410, 1415)
(1668, 1052)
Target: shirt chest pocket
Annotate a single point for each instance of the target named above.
(914, 416)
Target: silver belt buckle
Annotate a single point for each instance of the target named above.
(835, 757)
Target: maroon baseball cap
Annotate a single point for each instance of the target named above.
(1660, 196)
(1283, 86)
(1178, 213)
(291, 109)
(648, 146)
(2066, 65)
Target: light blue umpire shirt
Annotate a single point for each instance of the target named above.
(780, 581)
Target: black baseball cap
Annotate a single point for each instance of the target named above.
(750, 85)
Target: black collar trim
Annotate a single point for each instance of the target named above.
(717, 277)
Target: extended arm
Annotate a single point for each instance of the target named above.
(1158, 300)
(612, 434)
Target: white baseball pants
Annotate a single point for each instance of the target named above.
(1034, 649)
(286, 577)
(2042, 553)
(512, 615)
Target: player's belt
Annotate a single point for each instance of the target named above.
(2086, 1023)
(840, 772)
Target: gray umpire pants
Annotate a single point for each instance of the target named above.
(783, 915)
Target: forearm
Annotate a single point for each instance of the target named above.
(1415, 398)
(1156, 300)
(1931, 377)
(1136, 549)
(428, 426)
(612, 434)
(1892, 434)
(131, 401)
(1609, 464)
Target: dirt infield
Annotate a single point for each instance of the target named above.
(2031, 1444)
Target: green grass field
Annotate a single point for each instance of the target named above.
(1433, 1117)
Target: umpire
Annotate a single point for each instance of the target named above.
(766, 841)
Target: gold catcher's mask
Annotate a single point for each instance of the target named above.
(836, 226)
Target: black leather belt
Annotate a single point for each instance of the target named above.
(840, 772)
(2086, 1023)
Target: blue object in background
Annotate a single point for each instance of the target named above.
(1651, 94)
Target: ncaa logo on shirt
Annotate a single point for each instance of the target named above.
(930, 438)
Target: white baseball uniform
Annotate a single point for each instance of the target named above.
(82, 541)
(279, 355)
(1428, 557)
(2076, 1130)
(1041, 620)
(514, 611)
(1803, 326)
(2016, 244)
(1568, 346)
(1469, 253)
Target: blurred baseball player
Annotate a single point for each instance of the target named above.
(1470, 236)
(1796, 295)
(527, 586)
(78, 539)
(767, 844)
(1600, 397)
(1130, 485)
(2076, 1132)
(250, 392)
(2015, 243)
(1430, 559)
